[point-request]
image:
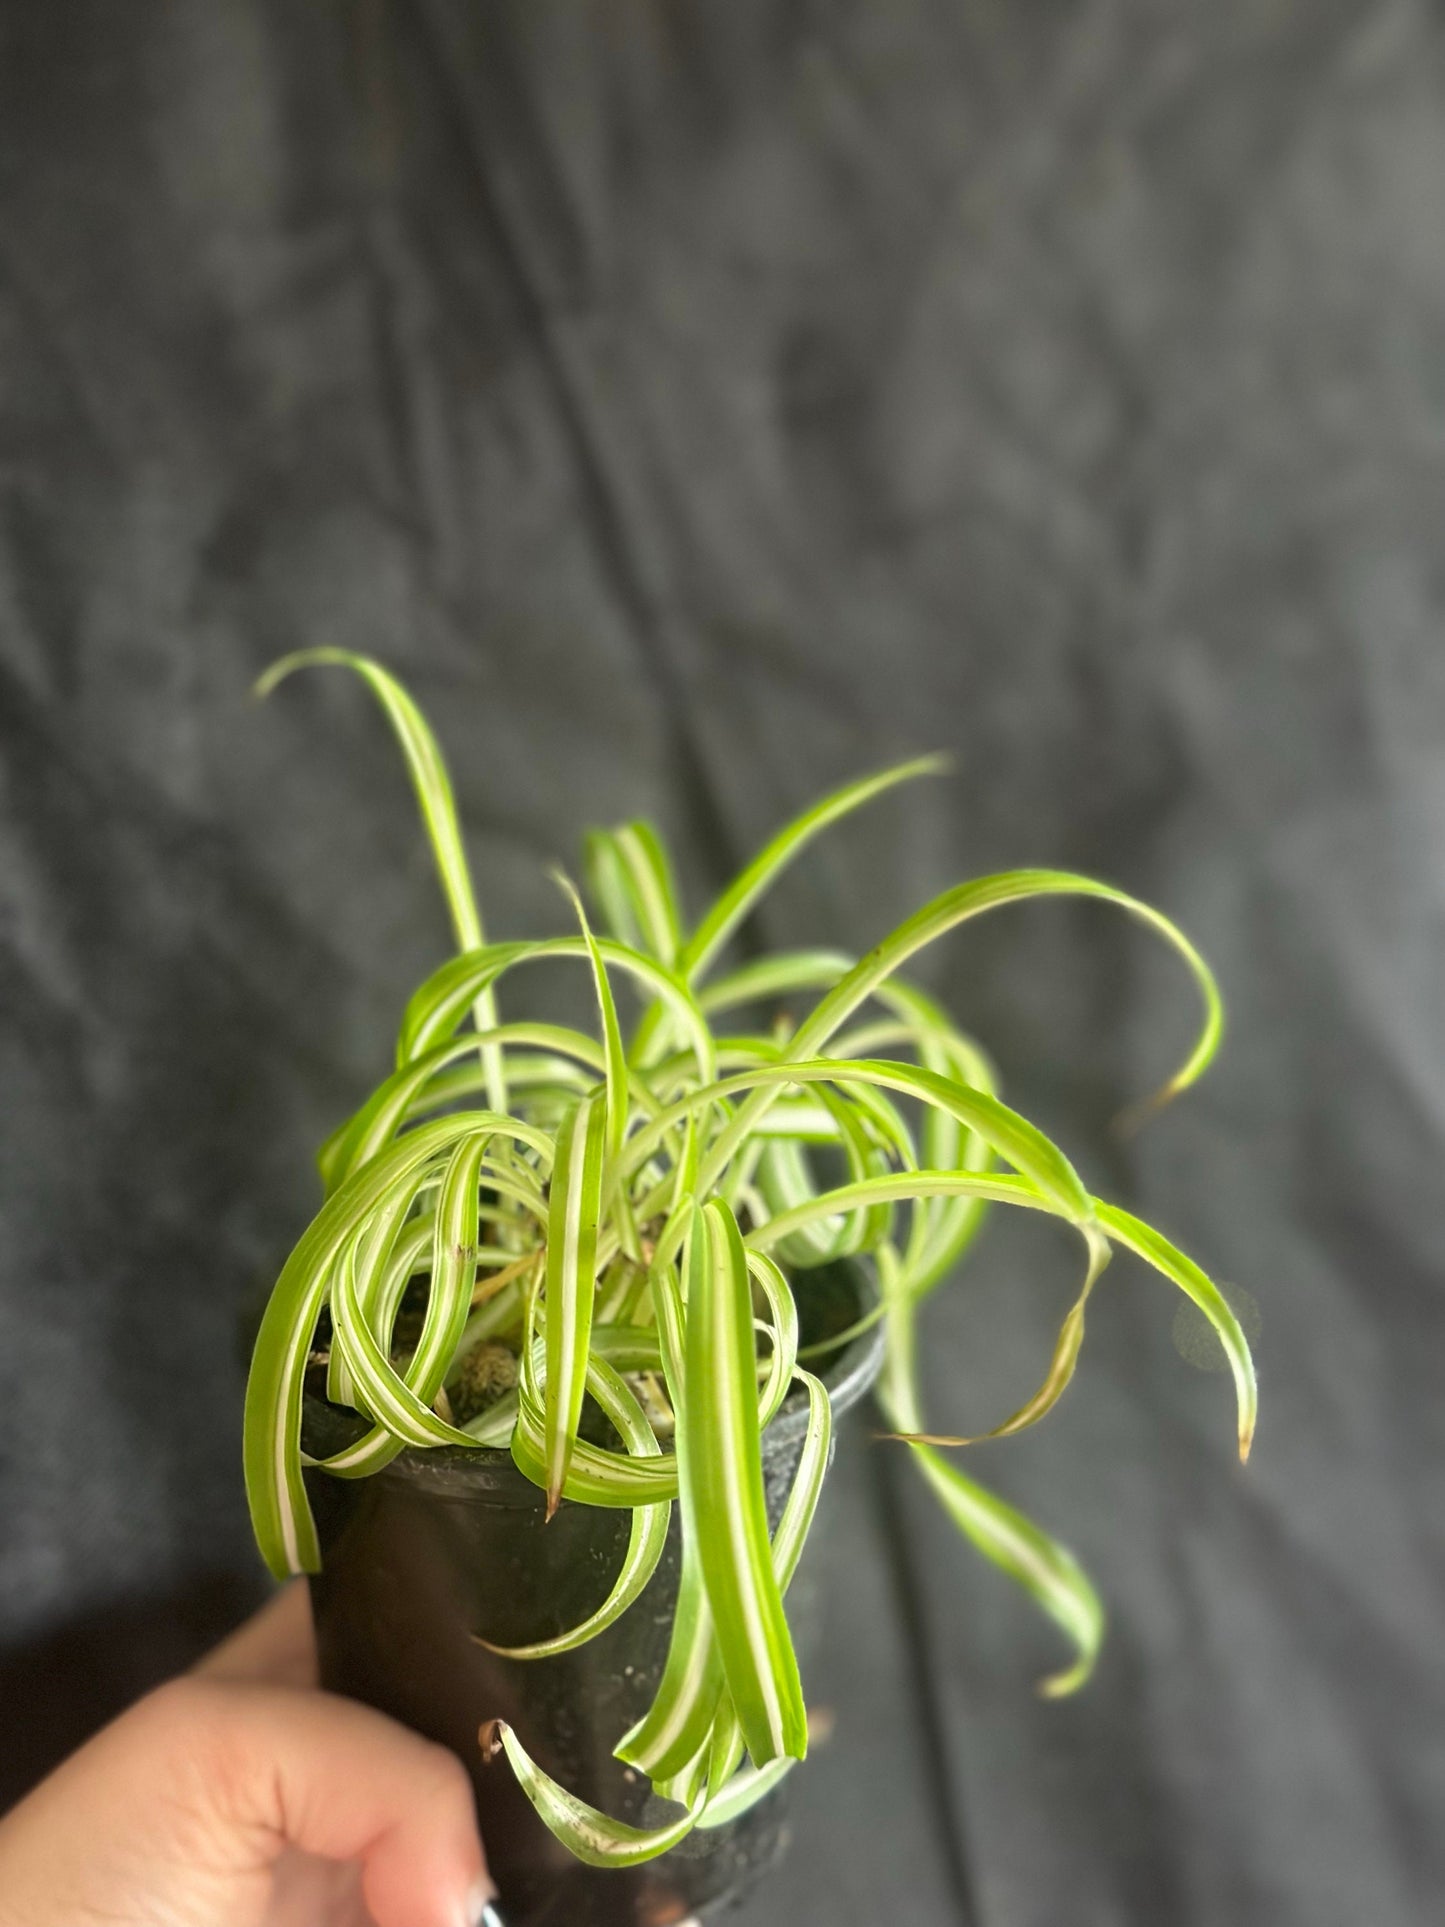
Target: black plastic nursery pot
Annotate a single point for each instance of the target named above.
(444, 1545)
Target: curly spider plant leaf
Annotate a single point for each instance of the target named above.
(1044, 1569)
(1171, 1263)
(1003, 1129)
(433, 785)
(1037, 1159)
(941, 1233)
(673, 1741)
(373, 1260)
(280, 1514)
(599, 1476)
(1112, 1222)
(648, 1535)
(615, 1055)
(943, 1230)
(407, 1254)
(630, 878)
(743, 893)
(935, 919)
(387, 1396)
(592, 1836)
(786, 1177)
(573, 1210)
(442, 1002)
(732, 1793)
(723, 1469)
(691, 1732)
(743, 1790)
(394, 1103)
(676, 1726)
(594, 1476)
(967, 900)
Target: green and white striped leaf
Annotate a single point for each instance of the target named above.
(380, 1388)
(785, 1177)
(945, 913)
(630, 878)
(574, 1208)
(997, 1186)
(743, 893)
(377, 1242)
(672, 1742)
(782, 1330)
(1171, 1263)
(723, 1467)
(393, 1103)
(280, 1514)
(742, 1791)
(594, 1475)
(802, 1500)
(432, 782)
(675, 1728)
(942, 1233)
(1004, 1130)
(592, 1836)
(615, 1054)
(679, 1741)
(732, 1793)
(649, 1522)
(674, 1731)
(1044, 1569)
(443, 1001)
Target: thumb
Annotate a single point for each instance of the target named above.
(184, 1806)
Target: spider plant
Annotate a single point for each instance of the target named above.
(643, 1207)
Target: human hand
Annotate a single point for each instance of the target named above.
(240, 1796)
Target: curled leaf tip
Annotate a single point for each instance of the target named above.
(1132, 1119)
(278, 671)
(948, 1439)
(489, 1738)
(1060, 1686)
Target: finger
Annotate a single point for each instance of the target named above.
(276, 1646)
(307, 1890)
(333, 1778)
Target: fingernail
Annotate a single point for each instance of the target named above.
(479, 1910)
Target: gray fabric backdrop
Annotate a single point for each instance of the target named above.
(700, 404)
